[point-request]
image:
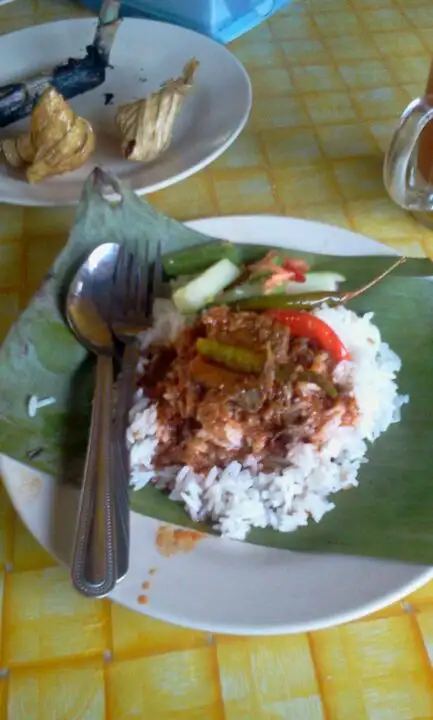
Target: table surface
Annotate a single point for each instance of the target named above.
(330, 77)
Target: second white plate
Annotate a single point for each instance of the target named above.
(224, 585)
(144, 55)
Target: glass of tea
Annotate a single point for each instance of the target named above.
(408, 166)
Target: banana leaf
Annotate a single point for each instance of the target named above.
(390, 513)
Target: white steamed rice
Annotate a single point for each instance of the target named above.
(238, 498)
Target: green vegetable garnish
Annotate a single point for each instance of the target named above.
(231, 356)
(202, 289)
(253, 361)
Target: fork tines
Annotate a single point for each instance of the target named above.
(135, 287)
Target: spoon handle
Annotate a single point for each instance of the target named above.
(125, 392)
(94, 560)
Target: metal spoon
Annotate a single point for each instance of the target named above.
(95, 562)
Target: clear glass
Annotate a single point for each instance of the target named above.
(408, 166)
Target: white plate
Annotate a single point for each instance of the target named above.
(222, 585)
(145, 54)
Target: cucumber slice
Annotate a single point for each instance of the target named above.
(202, 289)
(315, 282)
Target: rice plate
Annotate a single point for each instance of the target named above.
(241, 496)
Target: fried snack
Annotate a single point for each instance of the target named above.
(18, 151)
(146, 126)
(59, 141)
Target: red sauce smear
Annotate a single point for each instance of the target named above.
(172, 541)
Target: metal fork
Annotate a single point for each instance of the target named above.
(134, 291)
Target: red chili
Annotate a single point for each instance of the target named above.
(303, 324)
(298, 267)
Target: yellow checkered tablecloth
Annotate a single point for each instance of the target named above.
(330, 78)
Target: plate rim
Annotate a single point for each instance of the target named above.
(419, 574)
(26, 201)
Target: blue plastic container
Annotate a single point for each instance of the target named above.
(223, 20)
